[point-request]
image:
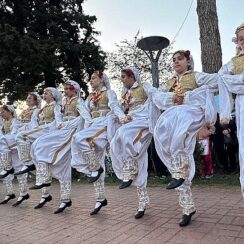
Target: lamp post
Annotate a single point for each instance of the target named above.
(152, 47)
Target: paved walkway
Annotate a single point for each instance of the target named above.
(219, 218)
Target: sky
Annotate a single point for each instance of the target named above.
(121, 19)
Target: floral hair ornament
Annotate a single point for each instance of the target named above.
(135, 72)
(103, 77)
(75, 86)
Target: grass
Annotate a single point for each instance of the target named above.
(217, 180)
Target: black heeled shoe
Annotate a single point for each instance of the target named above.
(174, 183)
(102, 204)
(125, 184)
(186, 219)
(29, 168)
(23, 198)
(8, 172)
(61, 209)
(92, 179)
(41, 204)
(139, 214)
(11, 196)
(37, 187)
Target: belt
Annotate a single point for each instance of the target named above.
(96, 114)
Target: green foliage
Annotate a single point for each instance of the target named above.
(45, 40)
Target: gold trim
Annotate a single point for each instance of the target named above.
(98, 133)
(62, 147)
(25, 136)
(139, 135)
(12, 146)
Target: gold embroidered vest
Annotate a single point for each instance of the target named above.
(187, 83)
(26, 114)
(6, 126)
(138, 97)
(238, 63)
(99, 107)
(47, 115)
(70, 108)
(101, 103)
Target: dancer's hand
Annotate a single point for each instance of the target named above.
(178, 99)
(224, 122)
(127, 119)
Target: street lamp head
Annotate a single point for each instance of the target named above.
(153, 43)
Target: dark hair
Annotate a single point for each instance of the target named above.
(99, 73)
(185, 53)
(5, 107)
(128, 72)
(33, 95)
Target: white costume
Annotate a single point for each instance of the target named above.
(89, 145)
(176, 129)
(129, 145)
(47, 120)
(51, 152)
(9, 156)
(232, 82)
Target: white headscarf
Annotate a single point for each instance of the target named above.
(106, 81)
(234, 39)
(56, 94)
(75, 85)
(12, 110)
(135, 72)
(191, 60)
(38, 99)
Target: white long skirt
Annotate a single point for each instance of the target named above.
(239, 107)
(55, 149)
(130, 143)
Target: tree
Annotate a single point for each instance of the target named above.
(127, 53)
(211, 53)
(45, 40)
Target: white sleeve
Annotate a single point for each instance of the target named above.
(15, 126)
(210, 80)
(34, 118)
(228, 84)
(114, 105)
(83, 111)
(58, 115)
(162, 98)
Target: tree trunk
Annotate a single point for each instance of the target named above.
(211, 54)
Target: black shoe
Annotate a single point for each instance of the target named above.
(25, 197)
(60, 210)
(91, 179)
(125, 184)
(96, 210)
(186, 219)
(11, 196)
(8, 172)
(174, 183)
(29, 168)
(41, 204)
(139, 214)
(36, 187)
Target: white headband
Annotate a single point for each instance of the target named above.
(135, 72)
(38, 98)
(56, 94)
(75, 85)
